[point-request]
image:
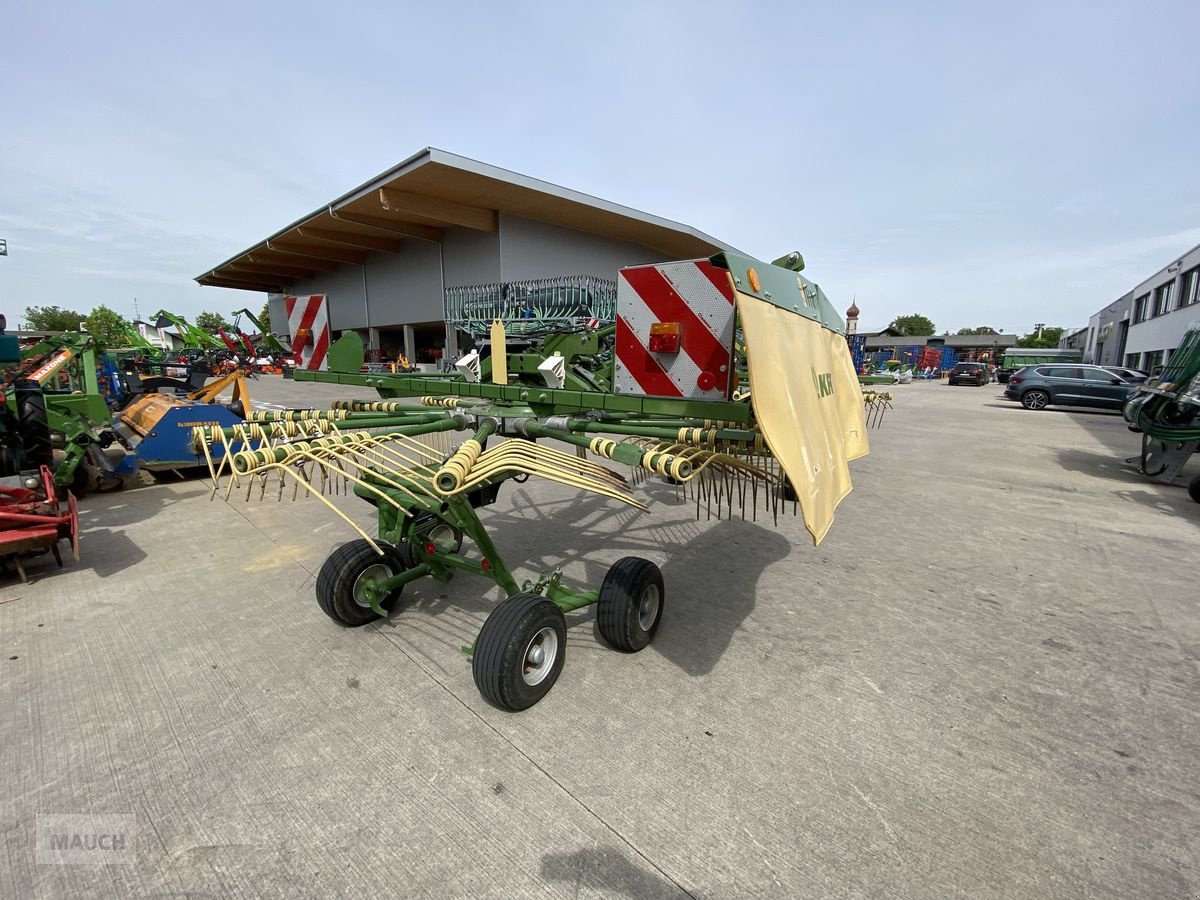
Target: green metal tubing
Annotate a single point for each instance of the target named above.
(626, 454)
(382, 588)
(398, 424)
(548, 401)
(665, 434)
(468, 520)
(336, 416)
(569, 601)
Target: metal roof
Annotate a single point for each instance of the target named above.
(421, 197)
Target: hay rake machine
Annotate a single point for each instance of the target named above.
(780, 443)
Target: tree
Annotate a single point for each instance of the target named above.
(1048, 338)
(982, 329)
(265, 315)
(915, 325)
(107, 327)
(52, 318)
(211, 321)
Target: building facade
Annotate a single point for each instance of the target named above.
(385, 253)
(1142, 328)
(1108, 333)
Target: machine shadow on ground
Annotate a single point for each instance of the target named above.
(711, 571)
(104, 547)
(1014, 406)
(608, 871)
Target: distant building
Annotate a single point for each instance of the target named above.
(967, 346)
(1073, 339)
(159, 337)
(385, 254)
(1142, 328)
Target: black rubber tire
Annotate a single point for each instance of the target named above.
(340, 572)
(631, 604)
(33, 423)
(82, 480)
(1025, 399)
(1194, 488)
(501, 654)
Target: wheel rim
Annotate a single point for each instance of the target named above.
(442, 535)
(1152, 456)
(1035, 400)
(648, 607)
(540, 655)
(377, 572)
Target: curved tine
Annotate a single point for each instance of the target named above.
(530, 464)
(346, 449)
(701, 459)
(285, 470)
(382, 444)
(517, 457)
(544, 453)
(410, 442)
(332, 469)
(557, 475)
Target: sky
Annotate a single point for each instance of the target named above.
(978, 163)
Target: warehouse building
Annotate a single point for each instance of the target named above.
(1142, 328)
(385, 253)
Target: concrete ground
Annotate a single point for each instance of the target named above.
(983, 683)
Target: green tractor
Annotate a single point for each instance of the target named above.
(55, 414)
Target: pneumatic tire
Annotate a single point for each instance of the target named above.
(33, 423)
(1194, 488)
(343, 575)
(520, 652)
(631, 604)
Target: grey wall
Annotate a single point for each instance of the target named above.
(471, 257)
(536, 250)
(346, 296)
(404, 287)
(1107, 352)
(1166, 331)
(278, 312)
(1157, 333)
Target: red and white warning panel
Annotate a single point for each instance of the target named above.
(308, 323)
(675, 325)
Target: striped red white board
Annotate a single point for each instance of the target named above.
(309, 315)
(694, 294)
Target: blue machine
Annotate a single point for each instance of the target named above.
(159, 429)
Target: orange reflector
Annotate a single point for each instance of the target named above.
(755, 284)
(664, 337)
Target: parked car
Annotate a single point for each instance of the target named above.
(970, 373)
(1133, 376)
(1037, 387)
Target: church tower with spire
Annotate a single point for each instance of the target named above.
(852, 319)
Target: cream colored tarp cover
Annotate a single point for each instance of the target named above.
(808, 404)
